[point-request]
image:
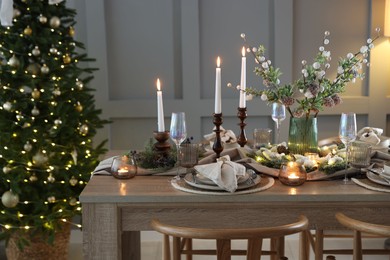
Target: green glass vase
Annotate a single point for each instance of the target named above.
(303, 135)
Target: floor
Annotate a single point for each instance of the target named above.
(151, 247)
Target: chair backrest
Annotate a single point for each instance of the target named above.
(223, 236)
(362, 226)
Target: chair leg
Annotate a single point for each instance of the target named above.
(357, 245)
(254, 249)
(176, 248)
(319, 245)
(166, 248)
(188, 246)
(223, 249)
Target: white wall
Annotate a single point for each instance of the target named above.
(136, 41)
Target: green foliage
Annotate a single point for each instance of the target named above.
(47, 118)
(149, 158)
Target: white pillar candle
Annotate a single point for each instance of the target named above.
(243, 80)
(160, 109)
(217, 105)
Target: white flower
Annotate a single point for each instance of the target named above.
(308, 94)
(278, 81)
(304, 71)
(316, 65)
(369, 40)
(326, 41)
(327, 65)
(249, 97)
(254, 49)
(363, 49)
(264, 97)
(321, 48)
(262, 58)
(306, 74)
(371, 45)
(264, 65)
(349, 55)
(322, 88)
(304, 62)
(326, 54)
(238, 87)
(340, 70)
(365, 60)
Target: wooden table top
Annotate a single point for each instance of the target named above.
(152, 189)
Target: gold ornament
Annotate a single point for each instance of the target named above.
(56, 92)
(27, 30)
(35, 111)
(36, 51)
(73, 181)
(10, 199)
(6, 169)
(79, 107)
(16, 13)
(51, 179)
(84, 129)
(55, 22)
(73, 202)
(33, 178)
(27, 146)
(51, 199)
(7, 106)
(35, 94)
(71, 31)
(79, 85)
(34, 68)
(53, 50)
(42, 19)
(45, 69)
(67, 59)
(40, 159)
(13, 61)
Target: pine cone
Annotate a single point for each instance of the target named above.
(282, 149)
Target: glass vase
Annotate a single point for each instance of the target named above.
(303, 135)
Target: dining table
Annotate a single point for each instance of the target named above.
(115, 211)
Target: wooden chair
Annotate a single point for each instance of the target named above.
(182, 239)
(360, 227)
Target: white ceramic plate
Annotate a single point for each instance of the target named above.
(244, 185)
(377, 179)
(204, 180)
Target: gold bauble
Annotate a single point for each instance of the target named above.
(84, 129)
(6, 169)
(45, 69)
(7, 106)
(13, 61)
(55, 22)
(67, 59)
(10, 199)
(42, 19)
(51, 199)
(33, 178)
(51, 179)
(36, 51)
(73, 181)
(35, 111)
(35, 94)
(34, 68)
(73, 202)
(27, 146)
(39, 159)
(79, 107)
(71, 31)
(27, 31)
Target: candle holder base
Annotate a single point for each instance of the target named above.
(242, 140)
(217, 146)
(162, 144)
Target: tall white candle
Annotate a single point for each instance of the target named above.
(160, 109)
(243, 80)
(217, 105)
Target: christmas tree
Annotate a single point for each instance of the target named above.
(47, 118)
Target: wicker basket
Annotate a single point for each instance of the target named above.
(39, 248)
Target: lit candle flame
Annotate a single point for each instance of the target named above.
(243, 51)
(218, 62)
(158, 85)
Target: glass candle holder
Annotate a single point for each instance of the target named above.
(360, 154)
(262, 137)
(292, 174)
(123, 167)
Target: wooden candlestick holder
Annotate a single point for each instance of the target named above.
(217, 146)
(242, 140)
(162, 144)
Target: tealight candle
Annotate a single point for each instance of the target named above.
(123, 167)
(292, 174)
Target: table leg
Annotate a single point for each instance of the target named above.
(131, 245)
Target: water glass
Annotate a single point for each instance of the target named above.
(189, 155)
(262, 137)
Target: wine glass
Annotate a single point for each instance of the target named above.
(178, 133)
(347, 134)
(278, 115)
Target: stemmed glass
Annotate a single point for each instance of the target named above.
(347, 134)
(178, 133)
(278, 115)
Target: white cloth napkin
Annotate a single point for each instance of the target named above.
(370, 135)
(224, 173)
(227, 136)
